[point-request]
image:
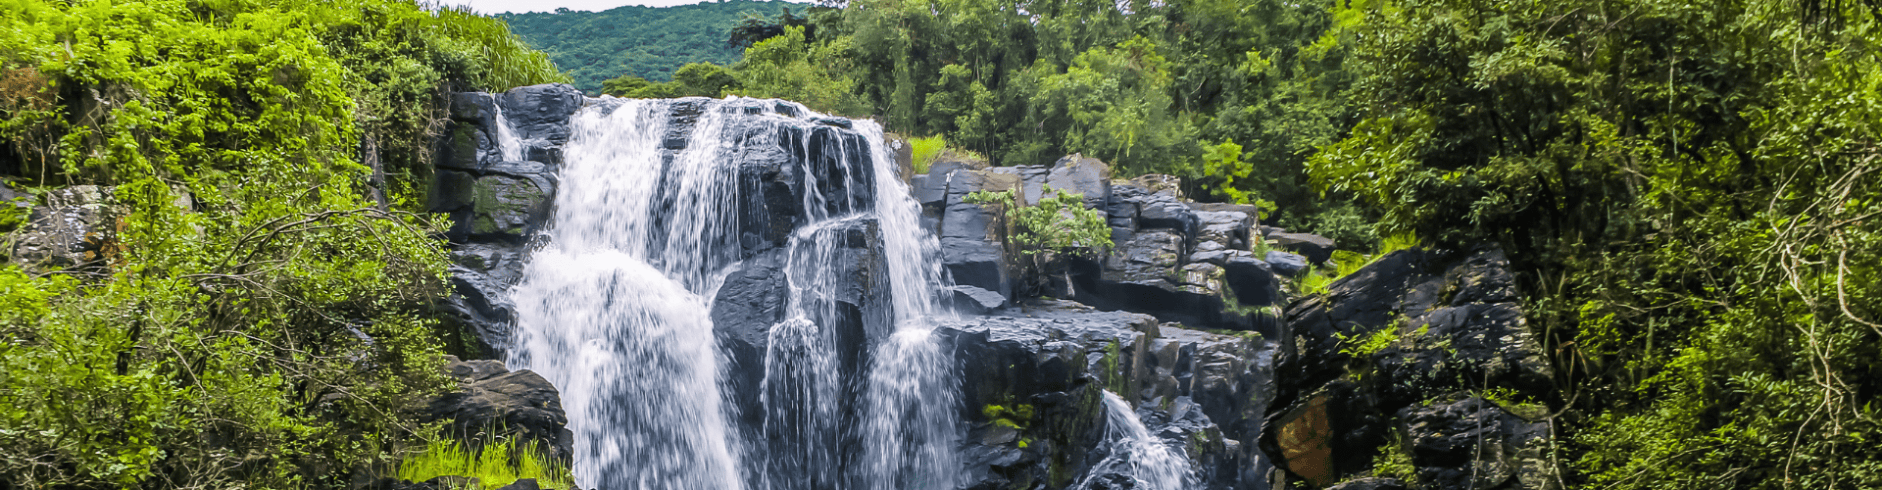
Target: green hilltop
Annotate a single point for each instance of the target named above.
(648, 42)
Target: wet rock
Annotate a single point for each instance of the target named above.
(1150, 258)
(1315, 247)
(1050, 359)
(1286, 264)
(539, 114)
(1253, 281)
(492, 398)
(973, 235)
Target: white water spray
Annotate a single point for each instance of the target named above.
(614, 310)
(1152, 465)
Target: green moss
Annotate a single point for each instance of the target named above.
(1114, 380)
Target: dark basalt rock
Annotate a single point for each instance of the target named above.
(1371, 484)
(1088, 177)
(1286, 264)
(1474, 444)
(1031, 387)
(73, 227)
(539, 114)
(969, 299)
(1315, 247)
(491, 397)
(1457, 325)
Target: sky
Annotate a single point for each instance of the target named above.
(520, 6)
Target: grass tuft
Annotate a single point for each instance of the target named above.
(500, 462)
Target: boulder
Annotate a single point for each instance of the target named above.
(978, 301)
(523, 484)
(1078, 174)
(1473, 444)
(1316, 248)
(490, 397)
(1222, 230)
(1286, 264)
(75, 226)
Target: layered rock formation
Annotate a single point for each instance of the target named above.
(1266, 401)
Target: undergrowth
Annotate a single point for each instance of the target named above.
(498, 462)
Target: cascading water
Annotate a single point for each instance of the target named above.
(1149, 463)
(613, 309)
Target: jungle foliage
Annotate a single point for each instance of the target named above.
(259, 314)
(650, 43)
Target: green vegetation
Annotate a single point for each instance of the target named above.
(1059, 222)
(643, 42)
(1394, 461)
(269, 330)
(1364, 346)
(495, 463)
(925, 151)
(1314, 280)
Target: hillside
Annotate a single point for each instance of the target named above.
(649, 42)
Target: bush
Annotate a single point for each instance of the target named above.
(259, 319)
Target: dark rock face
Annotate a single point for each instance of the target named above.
(1474, 444)
(1451, 323)
(74, 226)
(1183, 262)
(1031, 393)
(973, 236)
(1371, 484)
(496, 206)
(491, 397)
(1084, 176)
(1315, 247)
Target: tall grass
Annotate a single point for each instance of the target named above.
(926, 150)
(499, 462)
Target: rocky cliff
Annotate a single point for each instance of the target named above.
(1191, 317)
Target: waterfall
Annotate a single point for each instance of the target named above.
(1149, 463)
(651, 217)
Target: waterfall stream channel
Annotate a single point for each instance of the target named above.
(614, 308)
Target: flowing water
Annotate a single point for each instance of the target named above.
(614, 308)
(1150, 464)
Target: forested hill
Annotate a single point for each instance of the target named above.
(648, 42)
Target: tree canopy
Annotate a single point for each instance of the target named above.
(651, 43)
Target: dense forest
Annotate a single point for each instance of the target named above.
(647, 42)
(1688, 189)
